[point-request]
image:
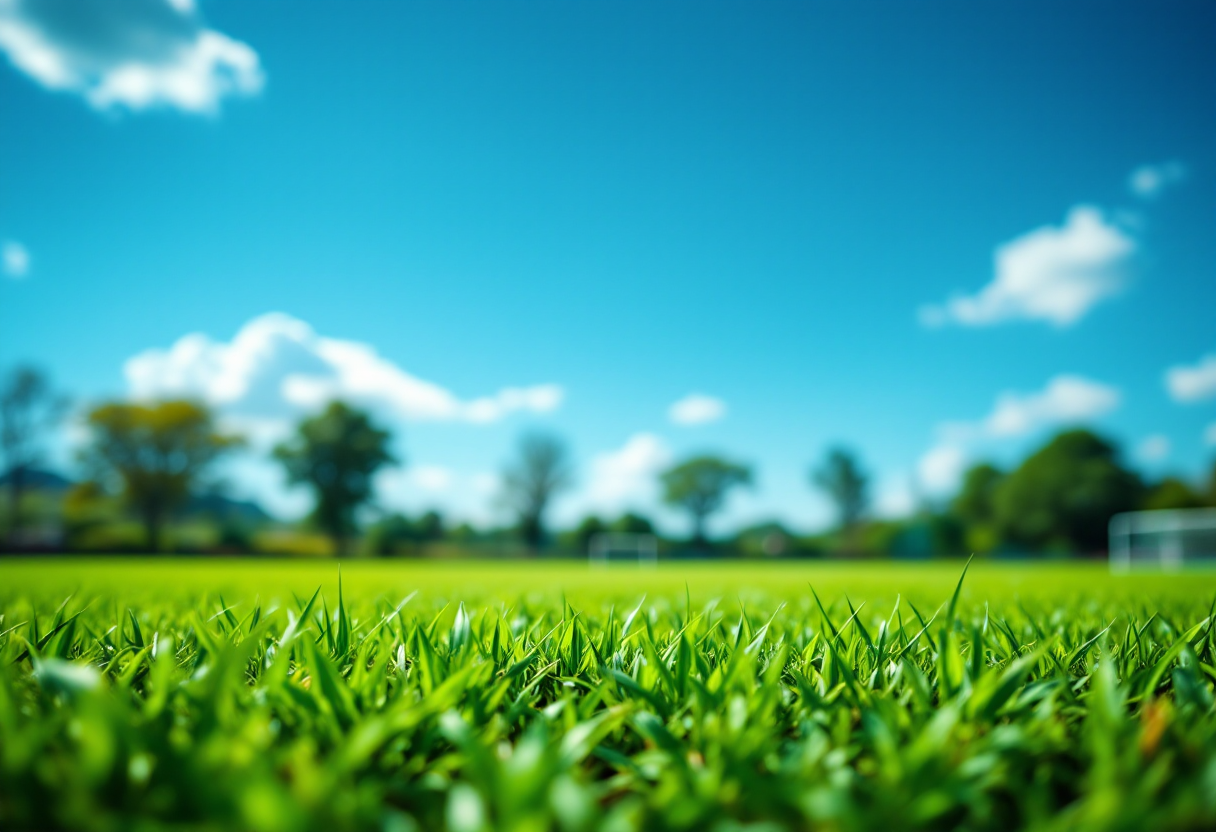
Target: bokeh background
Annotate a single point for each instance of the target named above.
(860, 279)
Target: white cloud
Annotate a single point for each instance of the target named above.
(276, 365)
(626, 477)
(896, 497)
(696, 409)
(128, 53)
(1153, 448)
(1209, 434)
(941, 468)
(1148, 181)
(16, 259)
(1053, 273)
(1066, 399)
(432, 478)
(1192, 384)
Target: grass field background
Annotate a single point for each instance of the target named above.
(159, 694)
(877, 582)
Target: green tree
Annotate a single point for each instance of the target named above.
(29, 407)
(539, 472)
(159, 453)
(586, 530)
(846, 484)
(1064, 494)
(975, 506)
(1172, 492)
(700, 486)
(336, 453)
(631, 523)
(396, 533)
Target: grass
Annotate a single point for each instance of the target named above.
(270, 696)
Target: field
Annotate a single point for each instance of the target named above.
(396, 696)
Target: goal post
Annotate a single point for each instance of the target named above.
(1170, 540)
(607, 545)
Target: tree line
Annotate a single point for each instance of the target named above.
(153, 458)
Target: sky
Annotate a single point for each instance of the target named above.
(933, 232)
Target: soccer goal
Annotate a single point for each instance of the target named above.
(619, 545)
(1169, 540)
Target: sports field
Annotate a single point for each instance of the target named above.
(208, 694)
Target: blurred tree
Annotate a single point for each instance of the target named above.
(540, 471)
(630, 523)
(700, 486)
(1064, 494)
(158, 452)
(336, 453)
(842, 479)
(28, 408)
(588, 529)
(975, 502)
(397, 534)
(1172, 492)
(975, 507)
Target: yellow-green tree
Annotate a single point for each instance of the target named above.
(158, 452)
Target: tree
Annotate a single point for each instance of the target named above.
(336, 453)
(158, 452)
(975, 506)
(28, 408)
(975, 502)
(631, 523)
(540, 471)
(700, 486)
(1170, 493)
(396, 533)
(1064, 494)
(842, 478)
(587, 529)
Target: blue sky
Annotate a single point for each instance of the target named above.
(936, 232)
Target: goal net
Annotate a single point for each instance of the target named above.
(621, 546)
(1170, 540)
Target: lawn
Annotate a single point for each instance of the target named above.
(261, 695)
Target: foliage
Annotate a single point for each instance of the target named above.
(1064, 494)
(1171, 493)
(540, 471)
(631, 523)
(29, 407)
(158, 452)
(137, 709)
(336, 453)
(397, 534)
(842, 479)
(700, 486)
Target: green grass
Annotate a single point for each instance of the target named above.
(151, 694)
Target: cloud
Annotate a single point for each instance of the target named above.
(1148, 181)
(1053, 273)
(15, 259)
(941, 468)
(896, 497)
(1192, 384)
(696, 409)
(277, 366)
(432, 478)
(1066, 399)
(626, 477)
(1153, 448)
(128, 53)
